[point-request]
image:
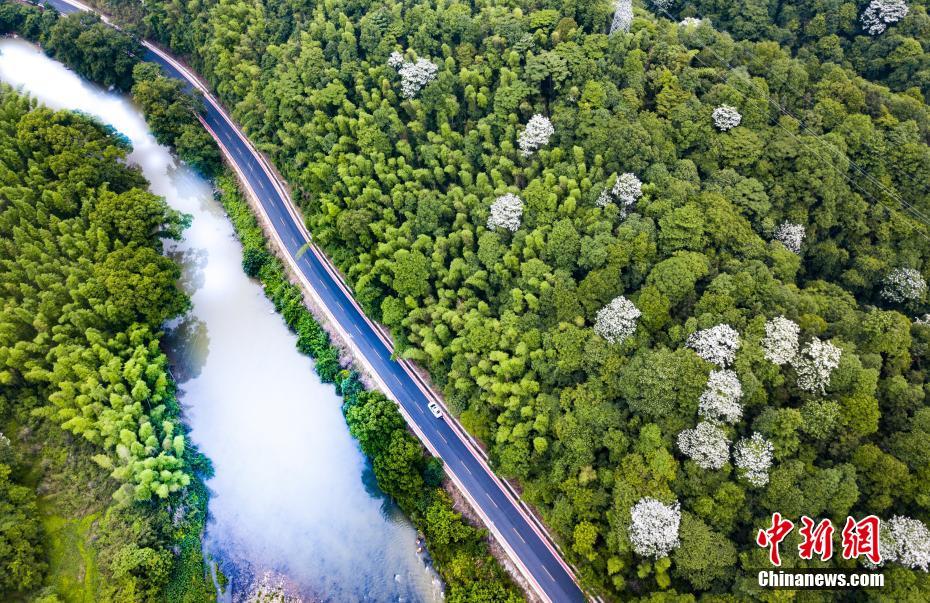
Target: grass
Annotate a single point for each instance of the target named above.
(71, 557)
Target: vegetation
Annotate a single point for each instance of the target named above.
(893, 50)
(87, 403)
(111, 57)
(400, 169)
(402, 467)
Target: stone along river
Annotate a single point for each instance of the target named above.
(293, 502)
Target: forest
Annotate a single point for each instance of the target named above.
(100, 494)
(675, 268)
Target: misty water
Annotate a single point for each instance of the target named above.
(293, 502)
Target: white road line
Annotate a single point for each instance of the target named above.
(517, 533)
(486, 493)
(545, 569)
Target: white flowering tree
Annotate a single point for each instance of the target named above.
(780, 344)
(536, 134)
(623, 16)
(706, 445)
(815, 364)
(906, 541)
(689, 22)
(617, 320)
(625, 191)
(720, 400)
(717, 344)
(726, 117)
(654, 527)
(506, 212)
(753, 459)
(790, 235)
(395, 60)
(879, 14)
(904, 285)
(413, 76)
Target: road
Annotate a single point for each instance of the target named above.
(519, 533)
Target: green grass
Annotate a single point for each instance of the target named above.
(71, 557)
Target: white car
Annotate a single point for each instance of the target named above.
(434, 408)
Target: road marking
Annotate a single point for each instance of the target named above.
(467, 469)
(517, 533)
(443, 437)
(546, 569)
(486, 493)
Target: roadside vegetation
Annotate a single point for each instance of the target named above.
(663, 272)
(64, 555)
(404, 469)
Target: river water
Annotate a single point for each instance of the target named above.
(293, 504)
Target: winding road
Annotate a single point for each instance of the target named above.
(518, 531)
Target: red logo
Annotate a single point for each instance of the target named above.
(818, 538)
(773, 536)
(861, 538)
(858, 537)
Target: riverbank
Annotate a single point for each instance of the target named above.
(403, 467)
(292, 493)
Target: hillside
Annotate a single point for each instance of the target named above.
(693, 279)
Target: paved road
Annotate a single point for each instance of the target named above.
(532, 552)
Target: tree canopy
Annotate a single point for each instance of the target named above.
(817, 126)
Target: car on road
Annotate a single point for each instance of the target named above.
(434, 408)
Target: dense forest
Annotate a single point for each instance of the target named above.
(891, 47)
(99, 494)
(662, 269)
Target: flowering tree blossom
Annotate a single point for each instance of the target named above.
(717, 344)
(690, 22)
(791, 236)
(617, 320)
(395, 60)
(506, 212)
(627, 188)
(879, 14)
(815, 364)
(904, 285)
(413, 76)
(654, 527)
(906, 541)
(662, 5)
(720, 400)
(706, 445)
(753, 458)
(537, 133)
(605, 198)
(623, 16)
(726, 117)
(781, 340)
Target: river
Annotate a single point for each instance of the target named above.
(293, 502)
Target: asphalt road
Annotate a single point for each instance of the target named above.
(466, 466)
